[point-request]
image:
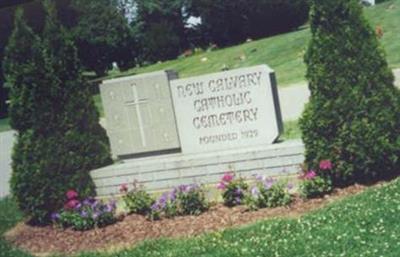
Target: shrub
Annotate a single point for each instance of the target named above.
(313, 186)
(182, 200)
(234, 189)
(59, 138)
(353, 117)
(191, 200)
(268, 193)
(137, 200)
(86, 214)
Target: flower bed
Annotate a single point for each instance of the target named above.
(134, 228)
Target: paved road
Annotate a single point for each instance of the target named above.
(6, 142)
(292, 100)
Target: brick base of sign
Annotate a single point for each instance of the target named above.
(164, 172)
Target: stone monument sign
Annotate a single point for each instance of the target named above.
(139, 113)
(227, 110)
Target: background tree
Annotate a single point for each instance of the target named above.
(59, 137)
(160, 28)
(227, 22)
(101, 34)
(353, 118)
(34, 15)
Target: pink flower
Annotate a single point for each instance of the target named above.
(71, 194)
(71, 204)
(325, 165)
(123, 188)
(221, 186)
(228, 177)
(310, 175)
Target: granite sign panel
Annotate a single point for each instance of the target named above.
(139, 114)
(227, 110)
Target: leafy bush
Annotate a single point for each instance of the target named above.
(233, 189)
(268, 193)
(86, 214)
(59, 137)
(353, 117)
(182, 200)
(313, 186)
(137, 200)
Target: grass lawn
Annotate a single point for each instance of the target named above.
(284, 53)
(9, 216)
(361, 225)
(291, 130)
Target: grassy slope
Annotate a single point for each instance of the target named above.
(284, 53)
(362, 225)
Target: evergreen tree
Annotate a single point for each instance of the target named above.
(63, 140)
(3, 96)
(21, 68)
(353, 117)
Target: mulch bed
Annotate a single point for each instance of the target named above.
(133, 229)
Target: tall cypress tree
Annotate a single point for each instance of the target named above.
(353, 117)
(63, 140)
(21, 69)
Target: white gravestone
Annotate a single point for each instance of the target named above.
(227, 110)
(139, 114)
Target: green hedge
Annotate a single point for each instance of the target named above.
(59, 137)
(353, 118)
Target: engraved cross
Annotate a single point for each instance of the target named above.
(136, 102)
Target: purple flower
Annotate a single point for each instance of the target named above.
(255, 192)
(86, 202)
(238, 191)
(182, 188)
(55, 216)
(95, 215)
(84, 214)
(260, 178)
(113, 204)
(109, 208)
(155, 207)
(162, 201)
(172, 195)
(192, 187)
(94, 204)
(238, 200)
(268, 183)
(289, 186)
